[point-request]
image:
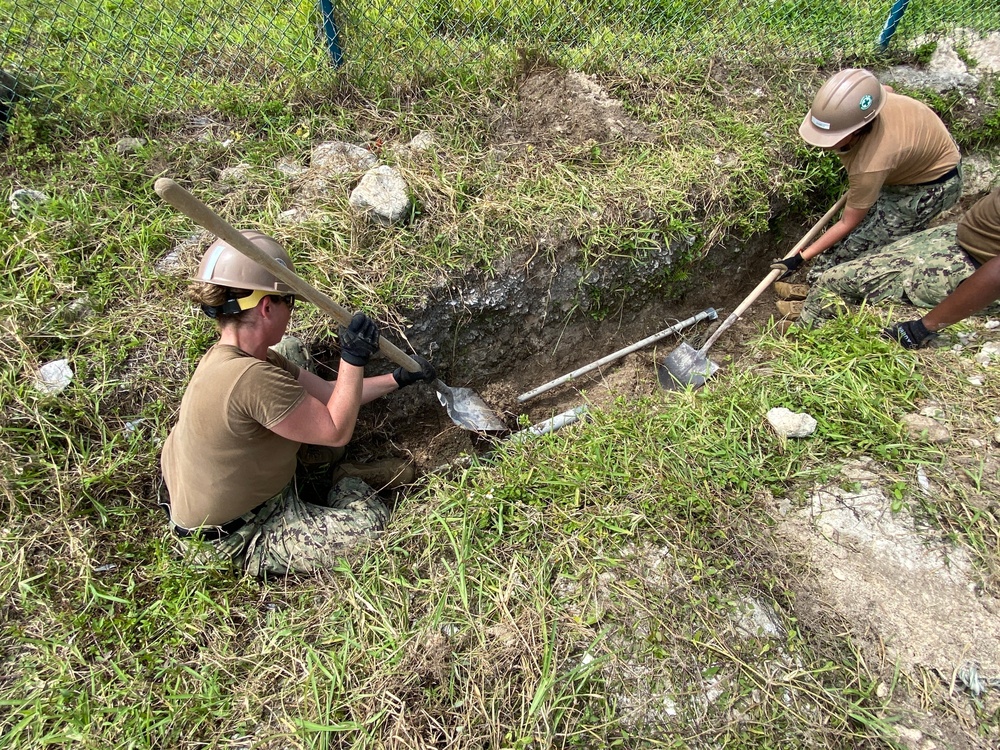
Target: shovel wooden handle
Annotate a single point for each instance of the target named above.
(771, 277)
(201, 214)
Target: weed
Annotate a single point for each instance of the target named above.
(923, 53)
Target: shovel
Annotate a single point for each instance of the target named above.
(708, 314)
(687, 366)
(465, 408)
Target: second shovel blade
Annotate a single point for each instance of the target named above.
(467, 409)
(684, 366)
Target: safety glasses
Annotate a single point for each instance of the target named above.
(250, 301)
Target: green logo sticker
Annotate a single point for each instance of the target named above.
(866, 102)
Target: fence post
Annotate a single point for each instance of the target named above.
(895, 15)
(331, 32)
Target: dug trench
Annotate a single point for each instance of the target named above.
(533, 321)
(895, 586)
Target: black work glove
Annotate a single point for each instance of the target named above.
(789, 265)
(359, 341)
(426, 373)
(912, 334)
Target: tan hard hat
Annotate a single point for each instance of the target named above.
(224, 265)
(848, 101)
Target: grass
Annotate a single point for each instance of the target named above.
(144, 60)
(611, 585)
(527, 601)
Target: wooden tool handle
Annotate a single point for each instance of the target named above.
(771, 277)
(201, 214)
(823, 221)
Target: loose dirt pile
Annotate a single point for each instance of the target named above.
(570, 107)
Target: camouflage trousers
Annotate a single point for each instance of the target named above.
(288, 535)
(919, 270)
(900, 210)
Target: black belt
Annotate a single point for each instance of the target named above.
(943, 178)
(221, 531)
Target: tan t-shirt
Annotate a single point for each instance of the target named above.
(221, 459)
(908, 145)
(979, 228)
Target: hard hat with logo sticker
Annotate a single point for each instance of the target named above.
(848, 101)
(224, 265)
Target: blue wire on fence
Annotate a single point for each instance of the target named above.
(331, 32)
(895, 14)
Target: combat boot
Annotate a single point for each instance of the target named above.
(387, 474)
(784, 290)
(789, 309)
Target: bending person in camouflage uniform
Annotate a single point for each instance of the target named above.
(920, 270)
(903, 167)
(229, 463)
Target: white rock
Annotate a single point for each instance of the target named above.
(338, 157)
(290, 167)
(989, 352)
(909, 734)
(923, 482)
(975, 380)
(991, 324)
(382, 195)
(127, 146)
(422, 141)
(53, 377)
(235, 174)
(926, 430)
(985, 50)
(791, 424)
(946, 60)
(24, 198)
(170, 262)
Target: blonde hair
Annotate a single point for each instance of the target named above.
(205, 293)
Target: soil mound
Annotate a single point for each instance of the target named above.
(554, 105)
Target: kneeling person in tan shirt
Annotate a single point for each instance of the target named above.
(229, 462)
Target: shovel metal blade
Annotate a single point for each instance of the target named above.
(684, 366)
(467, 409)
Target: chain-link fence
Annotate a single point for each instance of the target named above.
(180, 54)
